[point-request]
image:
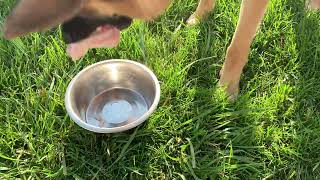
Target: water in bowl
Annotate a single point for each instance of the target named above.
(116, 107)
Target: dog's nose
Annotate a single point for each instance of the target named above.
(80, 28)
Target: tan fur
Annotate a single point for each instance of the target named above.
(38, 15)
(140, 9)
(313, 4)
(251, 15)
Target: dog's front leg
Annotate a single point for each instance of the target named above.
(251, 15)
(203, 8)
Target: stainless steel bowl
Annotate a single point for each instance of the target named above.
(112, 96)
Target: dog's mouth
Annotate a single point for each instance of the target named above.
(80, 28)
(82, 33)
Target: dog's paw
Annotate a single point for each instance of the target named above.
(193, 20)
(231, 87)
(313, 4)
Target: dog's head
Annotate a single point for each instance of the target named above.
(79, 18)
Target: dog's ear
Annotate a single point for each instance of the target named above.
(39, 15)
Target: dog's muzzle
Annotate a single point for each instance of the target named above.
(80, 28)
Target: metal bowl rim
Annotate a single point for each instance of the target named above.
(134, 124)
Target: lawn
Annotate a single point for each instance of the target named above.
(272, 131)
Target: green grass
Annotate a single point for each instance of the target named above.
(271, 132)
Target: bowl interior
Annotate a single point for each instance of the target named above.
(112, 93)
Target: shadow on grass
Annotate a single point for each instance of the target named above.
(307, 29)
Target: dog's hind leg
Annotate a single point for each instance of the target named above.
(203, 8)
(251, 15)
